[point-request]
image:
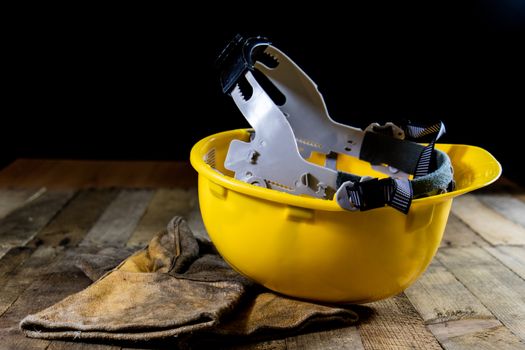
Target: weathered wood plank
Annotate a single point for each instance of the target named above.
(21, 225)
(15, 282)
(116, 224)
(458, 234)
(12, 285)
(498, 288)
(45, 291)
(451, 329)
(512, 256)
(505, 204)
(12, 339)
(438, 296)
(49, 276)
(335, 339)
(488, 223)
(476, 334)
(70, 227)
(11, 199)
(91, 204)
(165, 204)
(14, 257)
(395, 324)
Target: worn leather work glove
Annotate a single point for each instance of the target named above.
(175, 289)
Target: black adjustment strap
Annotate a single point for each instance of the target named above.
(380, 147)
(427, 160)
(376, 193)
(383, 149)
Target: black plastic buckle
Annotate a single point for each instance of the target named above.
(372, 193)
(238, 57)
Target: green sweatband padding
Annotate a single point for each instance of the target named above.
(437, 181)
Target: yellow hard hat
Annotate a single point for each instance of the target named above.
(312, 248)
(297, 237)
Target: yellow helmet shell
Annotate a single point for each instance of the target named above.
(312, 248)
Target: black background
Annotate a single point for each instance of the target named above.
(104, 83)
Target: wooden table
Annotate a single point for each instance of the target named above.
(471, 296)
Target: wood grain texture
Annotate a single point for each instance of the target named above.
(77, 174)
(13, 258)
(165, 204)
(116, 224)
(511, 256)
(458, 234)
(451, 329)
(491, 225)
(15, 282)
(74, 221)
(395, 324)
(65, 230)
(476, 334)
(49, 275)
(498, 288)
(45, 291)
(505, 204)
(438, 296)
(12, 339)
(335, 339)
(456, 297)
(21, 225)
(11, 199)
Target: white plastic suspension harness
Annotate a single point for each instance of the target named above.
(291, 121)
